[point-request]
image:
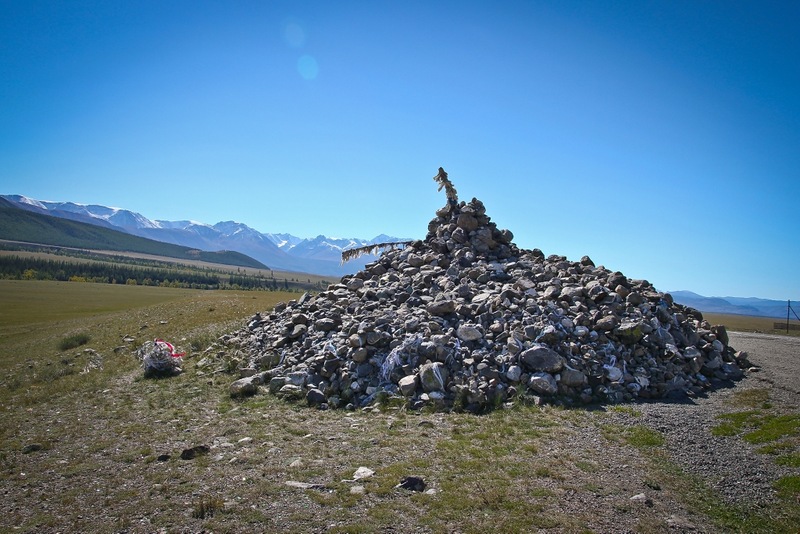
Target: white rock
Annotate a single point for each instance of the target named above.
(363, 472)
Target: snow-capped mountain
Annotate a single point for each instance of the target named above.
(53, 208)
(20, 199)
(284, 241)
(121, 218)
(281, 251)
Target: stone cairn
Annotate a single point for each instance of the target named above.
(465, 319)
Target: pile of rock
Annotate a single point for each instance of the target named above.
(465, 318)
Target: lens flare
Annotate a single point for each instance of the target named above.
(307, 67)
(294, 35)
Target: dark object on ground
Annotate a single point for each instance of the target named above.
(412, 484)
(32, 447)
(194, 452)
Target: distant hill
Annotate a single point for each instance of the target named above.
(31, 227)
(733, 305)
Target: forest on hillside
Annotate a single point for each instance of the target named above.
(25, 267)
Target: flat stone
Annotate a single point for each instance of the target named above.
(298, 330)
(573, 378)
(542, 358)
(291, 391)
(433, 376)
(629, 332)
(304, 485)
(315, 397)
(607, 323)
(467, 222)
(543, 383)
(514, 373)
(325, 324)
(359, 355)
(469, 333)
(441, 307)
(408, 385)
(244, 387)
(362, 473)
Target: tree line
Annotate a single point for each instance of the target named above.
(27, 268)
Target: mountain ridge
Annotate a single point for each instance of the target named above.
(753, 306)
(282, 251)
(41, 228)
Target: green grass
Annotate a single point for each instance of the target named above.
(28, 305)
(789, 460)
(643, 437)
(788, 487)
(37, 315)
(638, 436)
(757, 427)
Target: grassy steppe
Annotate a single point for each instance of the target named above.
(744, 323)
(89, 445)
(36, 315)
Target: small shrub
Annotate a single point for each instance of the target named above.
(201, 341)
(51, 373)
(74, 341)
(207, 506)
(586, 466)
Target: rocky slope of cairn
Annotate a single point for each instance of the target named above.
(466, 319)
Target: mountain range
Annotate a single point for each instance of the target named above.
(279, 251)
(27, 227)
(733, 305)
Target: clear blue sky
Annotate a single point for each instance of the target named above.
(661, 138)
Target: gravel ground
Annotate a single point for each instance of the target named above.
(729, 464)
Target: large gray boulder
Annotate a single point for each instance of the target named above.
(541, 358)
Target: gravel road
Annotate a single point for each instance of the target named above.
(729, 464)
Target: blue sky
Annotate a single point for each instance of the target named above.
(661, 138)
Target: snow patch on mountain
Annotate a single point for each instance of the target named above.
(20, 199)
